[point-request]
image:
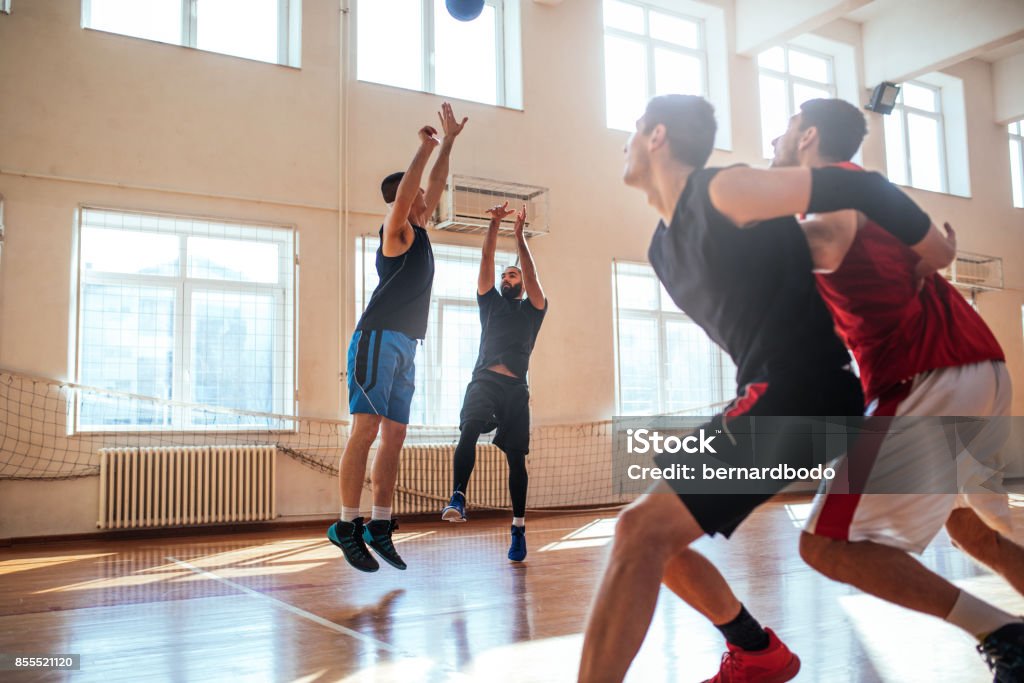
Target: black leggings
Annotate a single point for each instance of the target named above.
(465, 460)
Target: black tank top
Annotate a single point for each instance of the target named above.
(401, 300)
(751, 289)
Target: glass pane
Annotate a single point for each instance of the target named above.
(919, 97)
(232, 352)
(234, 260)
(676, 30)
(154, 19)
(244, 28)
(459, 344)
(1016, 172)
(124, 251)
(636, 287)
(775, 58)
(638, 366)
(692, 368)
(895, 149)
(923, 137)
(808, 66)
(625, 74)
(390, 43)
(465, 59)
(624, 16)
(675, 72)
(127, 341)
(802, 93)
(775, 111)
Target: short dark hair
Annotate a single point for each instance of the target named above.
(841, 127)
(690, 123)
(389, 186)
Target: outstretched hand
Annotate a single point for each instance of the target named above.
(520, 222)
(499, 212)
(950, 235)
(449, 124)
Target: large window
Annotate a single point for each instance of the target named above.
(649, 51)
(915, 149)
(416, 44)
(788, 77)
(186, 309)
(264, 30)
(1017, 162)
(445, 360)
(664, 362)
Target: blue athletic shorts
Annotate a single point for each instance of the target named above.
(381, 374)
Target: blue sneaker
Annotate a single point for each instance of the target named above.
(517, 551)
(455, 510)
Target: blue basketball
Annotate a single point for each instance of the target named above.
(465, 10)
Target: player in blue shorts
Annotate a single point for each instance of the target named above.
(381, 370)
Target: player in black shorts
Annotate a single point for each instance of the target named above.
(752, 291)
(498, 395)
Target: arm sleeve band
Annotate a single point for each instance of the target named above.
(836, 189)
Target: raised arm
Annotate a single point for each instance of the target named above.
(439, 173)
(936, 251)
(397, 229)
(530, 280)
(485, 281)
(746, 195)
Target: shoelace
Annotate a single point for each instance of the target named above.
(353, 544)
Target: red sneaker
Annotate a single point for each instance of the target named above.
(774, 664)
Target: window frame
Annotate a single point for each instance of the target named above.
(1017, 139)
(901, 109)
(663, 314)
(428, 73)
(790, 80)
(286, 11)
(650, 44)
(285, 364)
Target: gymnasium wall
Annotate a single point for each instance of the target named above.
(89, 117)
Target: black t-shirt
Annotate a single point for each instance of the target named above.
(508, 331)
(401, 301)
(751, 289)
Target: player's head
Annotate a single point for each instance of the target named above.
(824, 131)
(512, 283)
(676, 129)
(389, 190)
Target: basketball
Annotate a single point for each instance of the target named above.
(465, 10)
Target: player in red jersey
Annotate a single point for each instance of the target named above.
(922, 350)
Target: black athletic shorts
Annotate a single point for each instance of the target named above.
(829, 393)
(496, 400)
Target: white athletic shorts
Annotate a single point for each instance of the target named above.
(920, 458)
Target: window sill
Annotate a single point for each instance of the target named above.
(447, 98)
(189, 47)
(936, 192)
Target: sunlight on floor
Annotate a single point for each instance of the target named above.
(798, 513)
(12, 566)
(591, 535)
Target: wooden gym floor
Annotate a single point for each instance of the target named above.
(284, 606)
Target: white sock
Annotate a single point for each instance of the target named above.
(380, 513)
(977, 617)
(519, 521)
(348, 514)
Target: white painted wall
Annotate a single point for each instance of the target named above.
(92, 117)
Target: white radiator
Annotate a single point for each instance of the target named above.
(425, 479)
(180, 486)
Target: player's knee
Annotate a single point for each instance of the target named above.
(645, 523)
(393, 431)
(818, 551)
(365, 427)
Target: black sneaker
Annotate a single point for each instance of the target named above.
(377, 534)
(349, 537)
(1003, 650)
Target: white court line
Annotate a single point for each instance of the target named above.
(379, 644)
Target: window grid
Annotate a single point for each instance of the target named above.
(190, 28)
(661, 315)
(792, 81)
(428, 37)
(904, 111)
(153, 266)
(1016, 130)
(652, 44)
(446, 357)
